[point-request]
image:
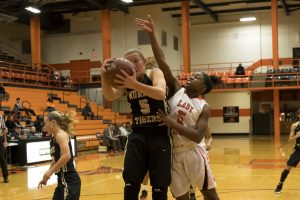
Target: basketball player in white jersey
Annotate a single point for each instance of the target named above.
(188, 117)
(206, 144)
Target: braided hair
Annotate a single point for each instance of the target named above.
(211, 82)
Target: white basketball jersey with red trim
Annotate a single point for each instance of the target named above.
(185, 111)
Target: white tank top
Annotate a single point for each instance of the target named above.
(185, 111)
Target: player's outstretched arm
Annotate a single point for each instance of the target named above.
(171, 81)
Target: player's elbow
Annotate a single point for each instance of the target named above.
(161, 95)
(66, 157)
(198, 139)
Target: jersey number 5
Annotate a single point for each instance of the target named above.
(180, 115)
(145, 107)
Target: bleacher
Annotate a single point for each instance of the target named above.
(17, 72)
(85, 130)
(285, 76)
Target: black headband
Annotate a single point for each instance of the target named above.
(208, 82)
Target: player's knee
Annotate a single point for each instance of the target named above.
(131, 190)
(159, 193)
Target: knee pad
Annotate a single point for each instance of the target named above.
(160, 193)
(131, 191)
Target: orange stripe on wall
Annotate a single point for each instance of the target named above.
(244, 112)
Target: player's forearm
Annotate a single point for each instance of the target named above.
(192, 134)
(151, 91)
(157, 51)
(108, 91)
(294, 137)
(61, 162)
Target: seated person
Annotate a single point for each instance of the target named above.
(31, 133)
(18, 108)
(15, 134)
(240, 70)
(128, 127)
(54, 77)
(23, 135)
(39, 124)
(99, 135)
(110, 139)
(87, 111)
(63, 80)
(123, 135)
(10, 124)
(2, 94)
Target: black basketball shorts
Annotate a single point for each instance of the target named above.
(148, 149)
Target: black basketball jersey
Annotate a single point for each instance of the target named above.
(296, 130)
(143, 108)
(55, 154)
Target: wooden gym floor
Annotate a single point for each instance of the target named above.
(245, 169)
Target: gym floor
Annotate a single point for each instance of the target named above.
(244, 168)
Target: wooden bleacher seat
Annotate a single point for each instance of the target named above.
(85, 130)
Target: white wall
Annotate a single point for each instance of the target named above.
(220, 100)
(86, 36)
(226, 41)
(233, 41)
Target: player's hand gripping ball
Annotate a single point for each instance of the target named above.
(114, 67)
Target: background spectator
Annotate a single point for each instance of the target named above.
(240, 70)
(123, 135)
(39, 124)
(87, 111)
(10, 124)
(19, 107)
(110, 139)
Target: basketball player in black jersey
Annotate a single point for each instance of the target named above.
(294, 157)
(148, 146)
(3, 146)
(68, 182)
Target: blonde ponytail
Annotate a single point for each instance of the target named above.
(65, 121)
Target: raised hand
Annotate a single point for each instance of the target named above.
(105, 65)
(126, 81)
(166, 120)
(146, 25)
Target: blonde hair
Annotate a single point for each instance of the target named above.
(151, 63)
(65, 121)
(134, 50)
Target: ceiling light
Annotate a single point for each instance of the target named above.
(248, 19)
(33, 9)
(127, 1)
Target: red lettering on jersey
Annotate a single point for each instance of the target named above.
(186, 106)
(179, 103)
(180, 115)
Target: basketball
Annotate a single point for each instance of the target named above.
(115, 67)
